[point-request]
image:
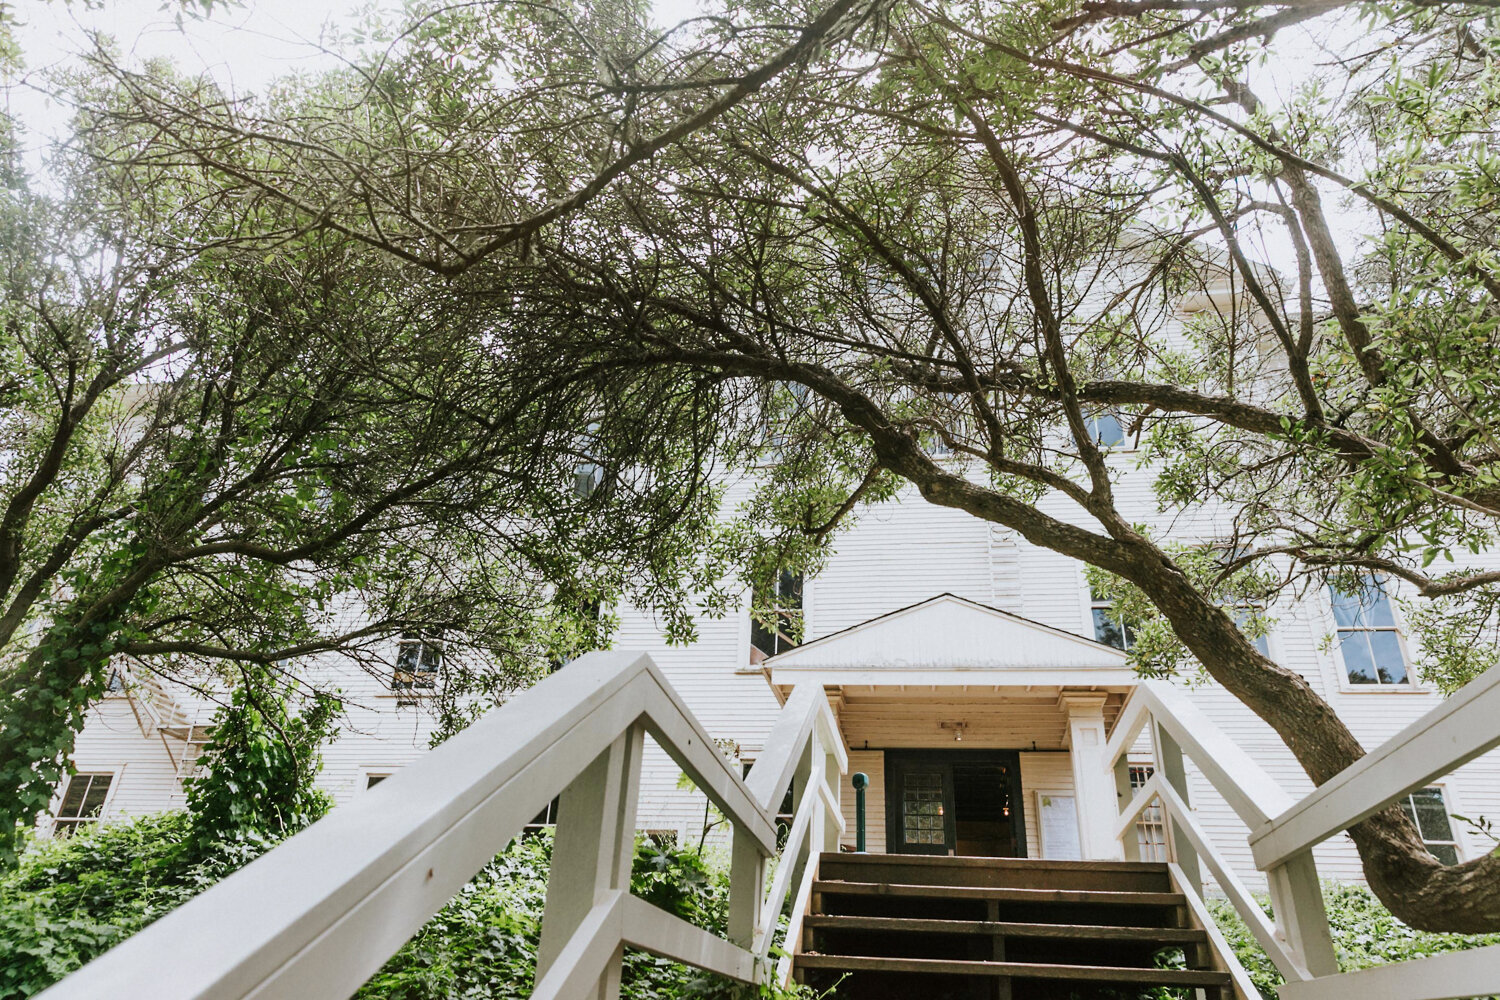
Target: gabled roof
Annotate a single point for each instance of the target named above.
(950, 633)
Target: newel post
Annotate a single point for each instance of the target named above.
(1297, 901)
(1171, 765)
(1093, 791)
(593, 850)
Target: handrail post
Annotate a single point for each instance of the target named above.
(1297, 903)
(861, 781)
(747, 885)
(1130, 845)
(1169, 761)
(593, 850)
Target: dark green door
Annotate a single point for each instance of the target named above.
(961, 802)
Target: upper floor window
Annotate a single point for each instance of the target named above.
(1108, 626)
(418, 659)
(82, 802)
(1243, 614)
(1368, 639)
(1105, 429)
(1427, 810)
(784, 630)
(588, 474)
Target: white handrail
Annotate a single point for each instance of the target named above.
(319, 914)
(1283, 832)
(1452, 734)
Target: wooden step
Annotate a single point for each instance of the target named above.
(1092, 932)
(1020, 873)
(1016, 970)
(1093, 897)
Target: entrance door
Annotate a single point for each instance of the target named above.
(964, 802)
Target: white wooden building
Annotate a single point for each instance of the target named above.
(964, 667)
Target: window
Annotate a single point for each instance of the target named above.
(1151, 828)
(82, 802)
(588, 474)
(1242, 615)
(1426, 809)
(786, 606)
(417, 661)
(116, 682)
(1105, 429)
(1367, 635)
(1108, 628)
(372, 779)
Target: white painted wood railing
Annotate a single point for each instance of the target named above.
(1283, 831)
(318, 915)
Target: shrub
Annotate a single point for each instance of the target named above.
(1364, 934)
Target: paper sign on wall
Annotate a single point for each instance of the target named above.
(1058, 826)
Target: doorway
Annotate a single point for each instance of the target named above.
(958, 802)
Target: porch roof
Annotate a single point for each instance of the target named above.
(949, 640)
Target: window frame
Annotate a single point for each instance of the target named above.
(1094, 602)
(1445, 796)
(412, 689)
(1346, 685)
(1126, 446)
(801, 609)
(57, 823)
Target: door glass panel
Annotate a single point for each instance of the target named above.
(922, 808)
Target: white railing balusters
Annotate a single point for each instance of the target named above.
(1283, 832)
(318, 915)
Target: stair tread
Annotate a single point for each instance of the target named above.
(1018, 970)
(928, 925)
(970, 861)
(837, 887)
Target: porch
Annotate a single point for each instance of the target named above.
(981, 732)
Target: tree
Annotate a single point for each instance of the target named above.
(964, 228)
(219, 461)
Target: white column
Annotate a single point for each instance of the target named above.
(1093, 779)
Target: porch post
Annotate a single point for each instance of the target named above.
(1093, 779)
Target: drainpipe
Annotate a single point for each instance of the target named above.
(861, 781)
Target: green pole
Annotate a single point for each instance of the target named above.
(861, 781)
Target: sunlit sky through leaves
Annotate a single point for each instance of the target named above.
(247, 45)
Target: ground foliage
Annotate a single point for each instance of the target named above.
(1364, 935)
(70, 900)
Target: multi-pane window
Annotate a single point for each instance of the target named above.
(922, 808)
(1367, 635)
(418, 659)
(82, 801)
(1105, 429)
(1151, 828)
(784, 630)
(1108, 627)
(1425, 808)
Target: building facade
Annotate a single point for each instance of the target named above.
(975, 677)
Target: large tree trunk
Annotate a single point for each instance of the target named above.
(1413, 885)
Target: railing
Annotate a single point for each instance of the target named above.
(318, 915)
(1283, 832)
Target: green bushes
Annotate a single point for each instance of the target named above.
(70, 900)
(1364, 934)
(67, 901)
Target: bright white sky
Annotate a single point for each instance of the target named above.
(246, 47)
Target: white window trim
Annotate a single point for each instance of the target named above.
(115, 772)
(1344, 685)
(1451, 803)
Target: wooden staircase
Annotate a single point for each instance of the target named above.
(932, 928)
